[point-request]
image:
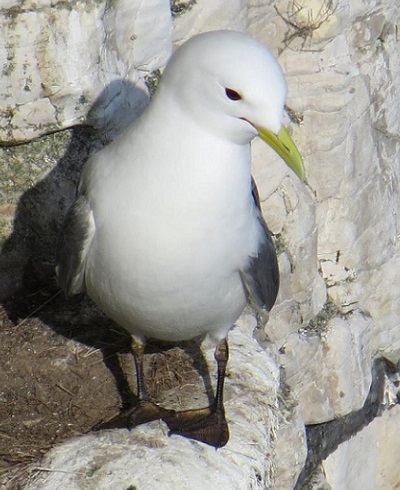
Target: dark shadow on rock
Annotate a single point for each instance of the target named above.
(28, 286)
(27, 257)
(324, 439)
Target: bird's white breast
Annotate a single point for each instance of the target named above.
(175, 223)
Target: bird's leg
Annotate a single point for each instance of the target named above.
(208, 424)
(146, 410)
(221, 356)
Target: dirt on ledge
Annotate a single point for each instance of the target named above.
(65, 368)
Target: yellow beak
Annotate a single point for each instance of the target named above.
(283, 144)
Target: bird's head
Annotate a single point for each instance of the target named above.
(232, 85)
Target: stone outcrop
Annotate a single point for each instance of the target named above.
(61, 58)
(337, 237)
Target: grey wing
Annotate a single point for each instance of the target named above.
(73, 245)
(261, 278)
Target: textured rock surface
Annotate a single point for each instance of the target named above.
(358, 450)
(77, 54)
(338, 308)
(338, 360)
(146, 457)
(350, 466)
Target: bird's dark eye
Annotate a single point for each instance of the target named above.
(232, 94)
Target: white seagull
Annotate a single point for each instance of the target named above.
(166, 234)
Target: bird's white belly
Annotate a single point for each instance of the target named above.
(169, 281)
(168, 248)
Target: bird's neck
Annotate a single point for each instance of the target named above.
(202, 169)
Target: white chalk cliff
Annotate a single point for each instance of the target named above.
(338, 311)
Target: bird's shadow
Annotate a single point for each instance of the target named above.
(27, 258)
(28, 255)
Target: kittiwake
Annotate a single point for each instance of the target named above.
(166, 233)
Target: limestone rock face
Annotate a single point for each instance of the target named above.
(59, 58)
(337, 235)
(146, 457)
(348, 466)
(368, 460)
(342, 81)
(337, 377)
